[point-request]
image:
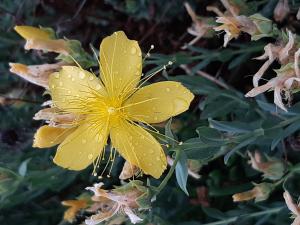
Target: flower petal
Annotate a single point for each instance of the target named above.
(73, 88)
(29, 32)
(46, 136)
(139, 148)
(36, 74)
(158, 102)
(120, 63)
(41, 39)
(82, 147)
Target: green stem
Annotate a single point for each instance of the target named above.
(256, 214)
(170, 173)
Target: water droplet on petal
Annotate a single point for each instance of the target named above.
(60, 84)
(90, 156)
(133, 50)
(98, 87)
(168, 89)
(83, 141)
(139, 54)
(52, 86)
(91, 77)
(81, 75)
(69, 75)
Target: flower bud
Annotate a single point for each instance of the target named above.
(259, 193)
(271, 168)
(281, 10)
(264, 26)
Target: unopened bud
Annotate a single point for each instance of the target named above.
(281, 10)
(259, 193)
(270, 167)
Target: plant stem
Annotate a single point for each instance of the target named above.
(170, 173)
(256, 214)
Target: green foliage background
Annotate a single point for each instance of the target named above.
(217, 131)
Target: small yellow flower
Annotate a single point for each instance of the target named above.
(75, 207)
(115, 106)
(42, 39)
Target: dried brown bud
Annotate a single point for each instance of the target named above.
(281, 10)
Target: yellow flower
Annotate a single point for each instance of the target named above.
(75, 206)
(42, 39)
(115, 106)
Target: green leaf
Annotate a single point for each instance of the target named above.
(181, 171)
(285, 133)
(169, 134)
(23, 167)
(195, 148)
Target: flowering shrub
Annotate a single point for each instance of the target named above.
(130, 112)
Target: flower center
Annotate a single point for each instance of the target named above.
(111, 110)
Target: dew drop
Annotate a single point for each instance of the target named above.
(53, 86)
(95, 174)
(69, 75)
(91, 77)
(83, 141)
(60, 84)
(139, 54)
(98, 87)
(69, 92)
(57, 75)
(168, 89)
(133, 50)
(81, 75)
(90, 156)
(155, 118)
(73, 79)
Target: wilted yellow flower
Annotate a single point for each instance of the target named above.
(293, 207)
(260, 193)
(36, 74)
(232, 23)
(272, 168)
(128, 171)
(115, 107)
(75, 207)
(125, 199)
(42, 39)
(200, 26)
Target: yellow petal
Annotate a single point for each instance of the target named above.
(83, 146)
(75, 207)
(158, 102)
(28, 32)
(40, 39)
(120, 63)
(139, 148)
(46, 136)
(36, 74)
(72, 89)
